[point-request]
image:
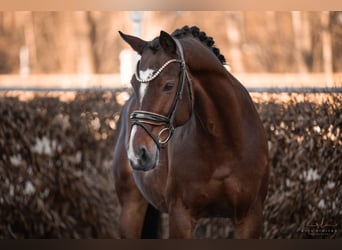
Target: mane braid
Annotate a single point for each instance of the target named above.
(201, 36)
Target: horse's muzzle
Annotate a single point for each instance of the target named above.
(144, 160)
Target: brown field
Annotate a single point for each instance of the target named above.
(55, 165)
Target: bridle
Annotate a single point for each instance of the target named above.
(141, 117)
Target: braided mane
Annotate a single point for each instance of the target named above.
(195, 32)
(202, 36)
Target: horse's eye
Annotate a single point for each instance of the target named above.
(168, 86)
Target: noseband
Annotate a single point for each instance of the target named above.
(141, 118)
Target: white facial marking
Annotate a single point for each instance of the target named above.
(131, 154)
(144, 75)
(142, 90)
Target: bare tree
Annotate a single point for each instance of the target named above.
(302, 39)
(234, 24)
(327, 47)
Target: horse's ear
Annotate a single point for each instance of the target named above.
(167, 42)
(135, 42)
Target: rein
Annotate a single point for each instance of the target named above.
(141, 117)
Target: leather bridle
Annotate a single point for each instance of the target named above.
(141, 117)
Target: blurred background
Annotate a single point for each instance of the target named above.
(64, 77)
(35, 43)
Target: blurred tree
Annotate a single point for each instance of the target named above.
(336, 37)
(327, 46)
(75, 47)
(29, 41)
(79, 42)
(83, 46)
(302, 39)
(234, 26)
(9, 63)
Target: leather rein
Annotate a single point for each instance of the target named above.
(141, 117)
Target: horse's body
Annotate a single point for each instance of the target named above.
(215, 164)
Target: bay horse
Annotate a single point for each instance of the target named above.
(189, 141)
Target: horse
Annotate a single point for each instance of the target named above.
(189, 141)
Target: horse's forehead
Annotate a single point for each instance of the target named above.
(152, 60)
(148, 65)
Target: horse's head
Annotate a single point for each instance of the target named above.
(159, 83)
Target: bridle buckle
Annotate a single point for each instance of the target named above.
(169, 132)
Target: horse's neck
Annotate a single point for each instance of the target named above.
(217, 108)
(217, 104)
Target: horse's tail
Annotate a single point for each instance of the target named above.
(151, 223)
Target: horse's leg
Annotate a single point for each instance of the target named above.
(132, 215)
(250, 226)
(133, 205)
(181, 223)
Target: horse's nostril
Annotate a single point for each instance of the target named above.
(143, 160)
(143, 155)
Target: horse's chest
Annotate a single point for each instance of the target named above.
(152, 185)
(205, 199)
